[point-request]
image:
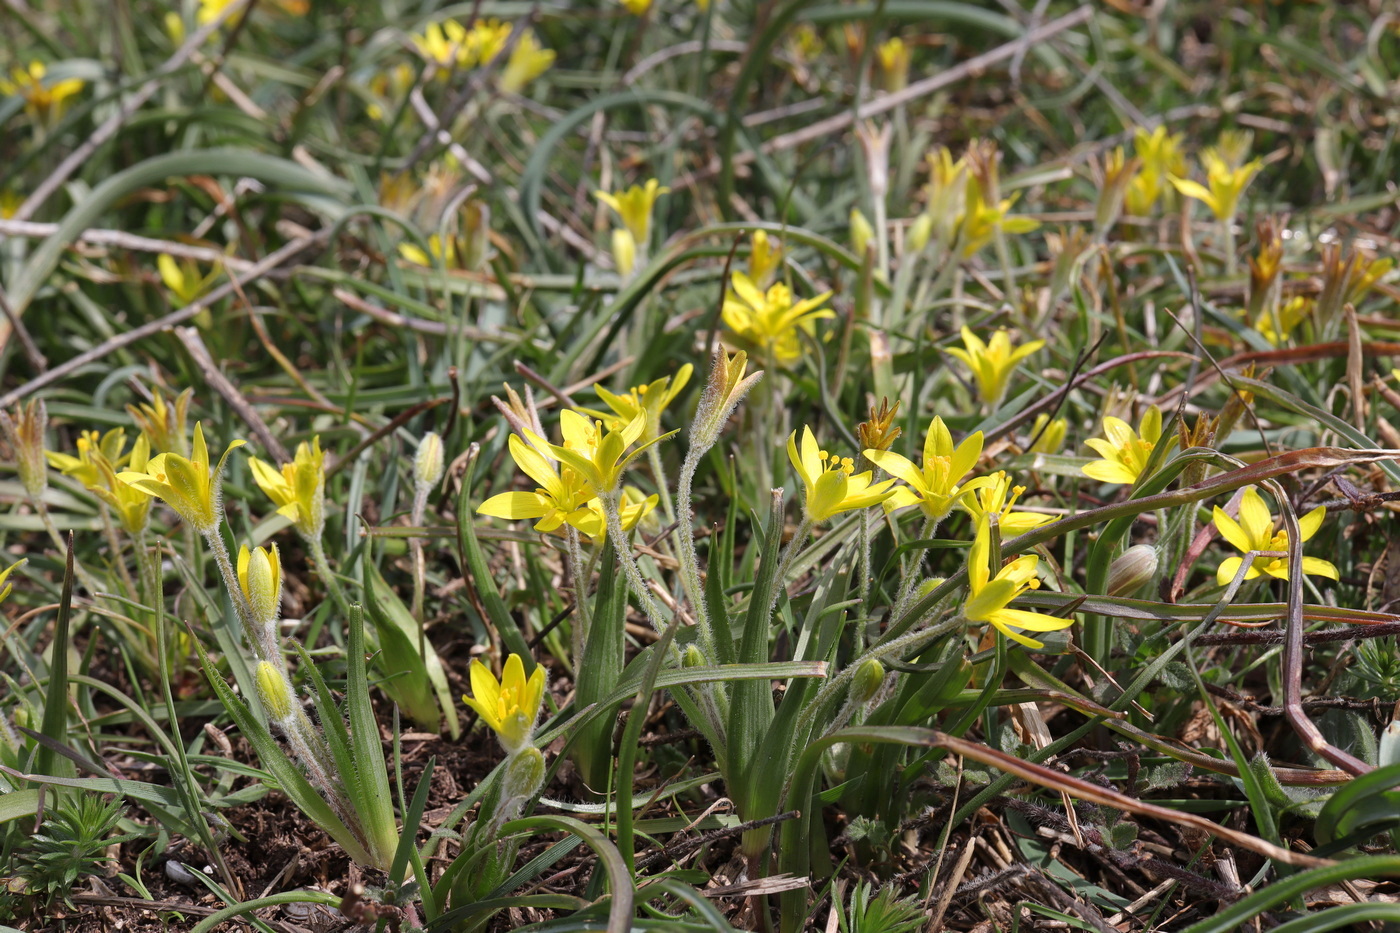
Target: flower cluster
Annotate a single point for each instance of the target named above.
(574, 477)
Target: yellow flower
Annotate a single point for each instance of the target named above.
(1161, 157)
(260, 579)
(510, 705)
(893, 56)
(946, 192)
(559, 498)
(1255, 532)
(832, 486)
(769, 321)
(592, 521)
(445, 44)
(1125, 453)
(636, 7)
(648, 400)
(934, 487)
(1224, 184)
(597, 454)
(187, 485)
(527, 62)
(43, 100)
(998, 497)
(1049, 436)
(438, 249)
(133, 507)
(1275, 326)
(988, 596)
(765, 258)
(487, 38)
(981, 219)
(164, 423)
(5, 586)
(90, 444)
(634, 206)
(993, 363)
(183, 279)
(299, 488)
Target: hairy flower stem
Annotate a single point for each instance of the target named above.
(114, 545)
(148, 567)
(658, 473)
(910, 583)
(262, 640)
(583, 616)
(864, 571)
(799, 539)
(612, 511)
(317, 550)
(420, 568)
(686, 555)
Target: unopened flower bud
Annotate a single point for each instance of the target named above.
(428, 463)
(862, 234)
(25, 432)
(624, 251)
(920, 231)
(692, 657)
(866, 682)
(274, 691)
(260, 577)
(1134, 567)
(524, 773)
(725, 388)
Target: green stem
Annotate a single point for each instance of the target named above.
(658, 472)
(612, 512)
(583, 617)
(323, 568)
(115, 546)
(686, 555)
(148, 565)
(911, 574)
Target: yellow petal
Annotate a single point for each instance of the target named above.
(1255, 519)
(1231, 531)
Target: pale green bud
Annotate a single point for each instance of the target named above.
(862, 234)
(1134, 568)
(624, 251)
(919, 233)
(692, 657)
(260, 577)
(866, 682)
(428, 464)
(524, 774)
(274, 691)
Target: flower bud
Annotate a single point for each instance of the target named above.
(25, 432)
(725, 388)
(1134, 567)
(428, 463)
(862, 234)
(920, 231)
(274, 691)
(692, 657)
(866, 682)
(524, 773)
(624, 251)
(260, 577)
(1389, 753)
